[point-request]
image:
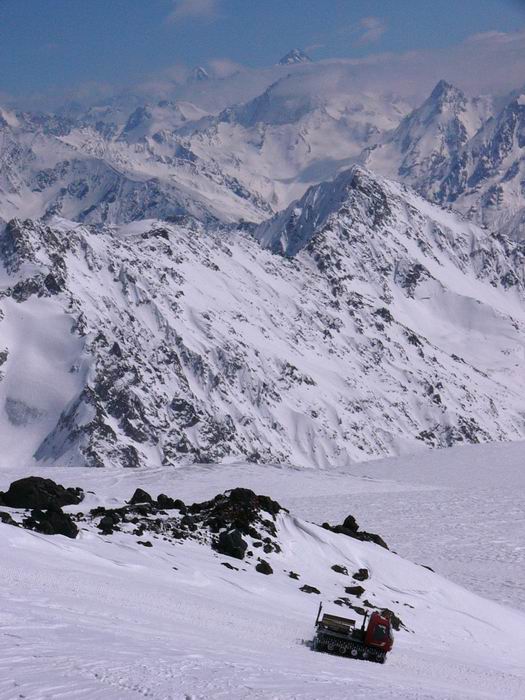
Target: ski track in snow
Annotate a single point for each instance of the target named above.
(95, 618)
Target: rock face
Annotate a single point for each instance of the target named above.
(359, 322)
(36, 492)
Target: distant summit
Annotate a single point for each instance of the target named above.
(199, 74)
(294, 56)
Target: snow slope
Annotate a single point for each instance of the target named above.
(102, 617)
(387, 326)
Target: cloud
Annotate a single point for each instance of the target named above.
(368, 30)
(372, 29)
(193, 9)
(224, 67)
(488, 63)
(314, 47)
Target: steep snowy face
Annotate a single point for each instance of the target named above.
(386, 325)
(420, 149)
(454, 151)
(486, 178)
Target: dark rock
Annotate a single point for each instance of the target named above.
(293, 575)
(106, 524)
(309, 589)
(361, 575)
(355, 590)
(36, 492)
(130, 458)
(115, 350)
(7, 519)
(231, 544)
(340, 569)
(350, 523)
(51, 522)
(141, 496)
(229, 566)
(185, 413)
(239, 509)
(264, 568)
(351, 529)
(145, 543)
(347, 603)
(395, 620)
(189, 522)
(167, 503)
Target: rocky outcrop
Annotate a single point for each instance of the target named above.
(40, 493)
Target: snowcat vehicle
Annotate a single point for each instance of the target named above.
(339, 635)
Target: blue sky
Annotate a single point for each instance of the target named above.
(63, 43)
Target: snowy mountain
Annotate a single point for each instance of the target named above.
(293, 57)
(361, 322)
(96, 170)
(303, 129)
(458, 152)
(420, 149)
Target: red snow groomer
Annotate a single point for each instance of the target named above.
(338, 635)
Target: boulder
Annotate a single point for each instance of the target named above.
(232, 544)
(340, 569)
(53, 521)
(361, 575)
(166, 503)
(141, 496)
(37, 492)
(7, 519)
(350, 528)
(309, 589)
(107, 525)
(263, 567)
(355, 590)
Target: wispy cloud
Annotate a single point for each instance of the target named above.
(368, 30)
(193, 9)
(224, 67)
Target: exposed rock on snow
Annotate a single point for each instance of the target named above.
(153, 345)
(36, 492)
(350, 528)
(52, 521)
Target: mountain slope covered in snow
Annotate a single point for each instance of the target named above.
(361, 322)
(172, 620)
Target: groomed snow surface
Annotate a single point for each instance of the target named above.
(100, 617)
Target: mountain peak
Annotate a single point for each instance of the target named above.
(199, 74)
(295, 56)
(445, 91)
